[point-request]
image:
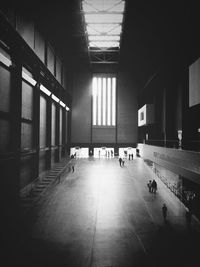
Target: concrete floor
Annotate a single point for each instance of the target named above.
(102, 215)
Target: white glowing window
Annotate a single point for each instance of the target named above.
(104, 101)
(99, 101)
(113, 100)
(104, 38)
(109, 102)
(104, 44)
(94, 101)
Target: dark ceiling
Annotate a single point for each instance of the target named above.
(153, 35)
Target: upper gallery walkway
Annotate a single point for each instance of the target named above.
(103, 215)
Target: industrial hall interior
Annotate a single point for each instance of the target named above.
(99, 133)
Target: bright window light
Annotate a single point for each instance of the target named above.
(109, 102)
(29, 79)
(104, 44)
(104, 29)
(6, 61)
(45, 90)
(99, 101)
(55, 98)
(103, 38)
(94, 101)
(113, 100)
(106, 6)
(104, 101)
(62, 104)
(104, 20)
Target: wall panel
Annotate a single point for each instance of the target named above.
(39, 46)
(27, 101)
(81, 108)
(25, 27)
(5, 87)
(127, 109)
(43, 118)
(50, 59)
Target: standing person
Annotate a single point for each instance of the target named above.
(72, 168)
(120, 161)
(123, 161)
(154, 186)
(111, 153)
(164, 212)
(149, 185)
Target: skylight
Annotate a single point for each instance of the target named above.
(103, 23)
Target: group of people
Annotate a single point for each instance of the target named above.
(152, 185)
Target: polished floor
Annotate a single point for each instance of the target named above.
(102, 215)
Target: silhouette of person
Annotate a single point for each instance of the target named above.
(149, 185)
(164, 211)
(120, 161)
(72, 168)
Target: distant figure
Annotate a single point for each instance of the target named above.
(164, 212)
(108, 154)
(72, 168)
(123, 161)
(129, 156)
(132, 156)
(111, 153)
(154, 186)
(99, 153)
(188, 216)
(149, 185)
(120, 161)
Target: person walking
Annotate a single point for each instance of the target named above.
(72, 168)
(123, 161)
(120, 161)
(164, 212)
(149, 185)
(154, 186)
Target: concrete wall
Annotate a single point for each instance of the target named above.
(127, 109)
(81, 108)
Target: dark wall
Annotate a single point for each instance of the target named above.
(81, 108)
(127, 109)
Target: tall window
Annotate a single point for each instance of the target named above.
(104, 101)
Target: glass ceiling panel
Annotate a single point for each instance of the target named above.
(103, 18)
(103, 38)
(103, 5)
(104, 29)
(104, 44)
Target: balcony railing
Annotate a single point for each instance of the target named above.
(185, 145)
